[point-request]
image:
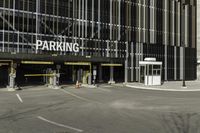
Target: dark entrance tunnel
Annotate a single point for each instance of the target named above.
(3, 76)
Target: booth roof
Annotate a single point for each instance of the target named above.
(150, 63)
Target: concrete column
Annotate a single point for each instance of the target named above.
(79, 16)
(172, 23)
(139, 74)
(54, 80)
(93, 19)
(126, 64)
(175, 63)
(50, 81)
(166, 37)
(126, 72)
(111, 75)
(99, 18)
(111, 18)
(37, 27)
(186, 26)
(82, 51)
(108, 49)
(119, 20)
(12, 77)
(85, 73)
(132, 62)
(94, 75)
(145, 21)
(116, 49)
(90, 79)
(86, 17)
(139, 19)
(181, 63)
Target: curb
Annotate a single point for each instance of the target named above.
(88, 86)
(159, 89)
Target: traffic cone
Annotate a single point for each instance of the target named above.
(77, 84)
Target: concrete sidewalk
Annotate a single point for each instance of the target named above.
(169, 86)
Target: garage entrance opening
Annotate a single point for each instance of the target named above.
(80, 71)
(112, 72)
(33, 73)
(4, 75)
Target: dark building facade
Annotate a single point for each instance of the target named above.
(109, 32)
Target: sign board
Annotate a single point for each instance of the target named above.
(57, 46)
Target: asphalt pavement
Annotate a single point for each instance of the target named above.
(106, 109)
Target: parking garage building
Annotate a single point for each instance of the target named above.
(104, 40)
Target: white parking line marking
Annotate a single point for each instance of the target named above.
(81, 98)
(58, 124)
(20, 99)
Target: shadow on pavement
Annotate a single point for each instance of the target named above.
(181, 122)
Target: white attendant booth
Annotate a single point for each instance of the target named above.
(150, 72)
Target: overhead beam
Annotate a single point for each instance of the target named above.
(39, 75)
(111, 65)
(78, 63)
(4, 64)
(37, 62)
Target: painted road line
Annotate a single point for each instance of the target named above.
(74, 95)
(79, 97)
(58, 124)
(20, 99)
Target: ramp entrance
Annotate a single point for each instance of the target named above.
(34, 73)
(112, 72)
(4, 74)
